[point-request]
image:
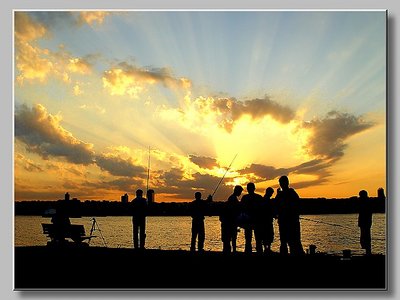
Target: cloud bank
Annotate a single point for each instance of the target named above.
(232, 110)
(126, 79)
(330, 133)
(42, 134)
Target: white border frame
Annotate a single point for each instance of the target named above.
(7, 130)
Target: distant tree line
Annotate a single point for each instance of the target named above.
(77, 208)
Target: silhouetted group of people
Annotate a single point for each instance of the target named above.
(255, 214)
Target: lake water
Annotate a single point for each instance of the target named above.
(330, 233)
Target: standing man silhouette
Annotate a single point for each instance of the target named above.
(365, 221)
(251, 204)
(228, 218)
(139, 212)
(198, 209)
(265, 221)
(287, 202)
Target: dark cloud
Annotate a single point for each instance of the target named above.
(171, 178)
(50, 166)
(75, 171)
(32, 167)
(204, 161)
(154, 75)
(120, 167)
(59, 19)
(27, 164)
(304, 184)
(173, 183)
(42, 134)
(263, 172)
(125, 185)
(327, 142)
(54, 19)
(232, 110)
(318, 167)
(329, 134)
(70, 185)
(34, 194)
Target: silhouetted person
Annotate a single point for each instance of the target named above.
(264, 225)
(287, 204)
(365, 221)
(198, 209)
(61, 223)
(250, 204)
(139, 213)
(381, 194)
(150, 197)
(228, 218)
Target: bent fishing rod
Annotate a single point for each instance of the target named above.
(219, 183)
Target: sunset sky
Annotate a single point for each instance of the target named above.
(297, 93)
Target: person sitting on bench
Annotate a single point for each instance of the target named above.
(62, 225)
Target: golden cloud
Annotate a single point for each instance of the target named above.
(32, 63)
(90, 17)
(118, 82)
(126, 79)
(36, 63)
(77, 90)
(79, 65)
(26, 29)
(31, 60)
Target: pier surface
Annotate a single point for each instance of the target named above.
(94, 268)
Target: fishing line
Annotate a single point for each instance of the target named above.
(322, 222)
(351, 237)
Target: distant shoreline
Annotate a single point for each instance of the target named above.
(308, 206)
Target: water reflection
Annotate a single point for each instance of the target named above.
(173, 233)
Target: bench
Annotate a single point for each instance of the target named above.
(74, 232)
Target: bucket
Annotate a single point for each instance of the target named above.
(347, 253)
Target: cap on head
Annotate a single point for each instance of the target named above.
(139, 192)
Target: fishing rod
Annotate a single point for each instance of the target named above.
(216, 188)
(148, 172)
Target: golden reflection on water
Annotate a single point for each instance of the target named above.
(330, 233)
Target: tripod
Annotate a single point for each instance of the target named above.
(94, 226)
